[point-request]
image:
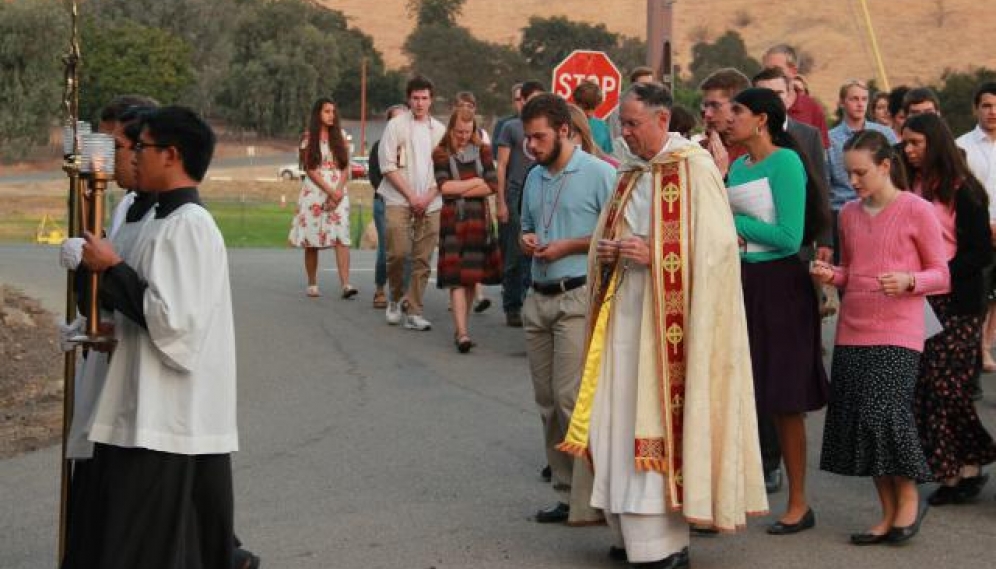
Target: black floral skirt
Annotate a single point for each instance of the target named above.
(869, 429)
(951, 433)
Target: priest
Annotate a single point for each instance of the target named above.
(666, 404)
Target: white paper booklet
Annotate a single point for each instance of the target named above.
(753, 199)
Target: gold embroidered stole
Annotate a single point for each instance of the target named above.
(668, 272)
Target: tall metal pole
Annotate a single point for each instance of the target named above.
(660, 40)
(363, 106)
(71, 165)
(874, 44)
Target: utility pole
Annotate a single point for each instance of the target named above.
(660, 40)
(363, 106)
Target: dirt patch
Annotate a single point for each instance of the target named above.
(31, 375)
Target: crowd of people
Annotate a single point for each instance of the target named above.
(885, 211)
(669, 280)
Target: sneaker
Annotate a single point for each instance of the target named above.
(416, 322)
(513, 319)
(393, 313)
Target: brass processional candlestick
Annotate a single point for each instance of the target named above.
(71, 166)
(97, 169)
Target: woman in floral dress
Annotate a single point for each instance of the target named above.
(954, 440)
(321, 219)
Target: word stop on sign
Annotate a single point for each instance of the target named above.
(566, 82)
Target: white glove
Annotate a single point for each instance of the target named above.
(71, 253)
(67, 331)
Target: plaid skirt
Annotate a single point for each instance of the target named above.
(468, 248)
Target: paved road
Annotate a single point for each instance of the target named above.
(365, 446)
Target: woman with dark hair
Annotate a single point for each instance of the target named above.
(321, 219)
(468, 250)
(954, 440)
(878, 110)
(783, 321)
(870, 429)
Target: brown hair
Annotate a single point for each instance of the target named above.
(881, 150)
(459, 115)
(729, 80)
(587, 95)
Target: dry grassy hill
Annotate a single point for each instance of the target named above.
(918, 38)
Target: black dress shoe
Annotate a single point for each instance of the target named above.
(899, 535)
(554, 514)
(773, 481)
(966, 489)
(677, 560)
(869, 538)
(546, 473)
(808, 521)
(970, 486)
(617, 553)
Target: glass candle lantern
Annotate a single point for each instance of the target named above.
(82, 128)
(98, 153)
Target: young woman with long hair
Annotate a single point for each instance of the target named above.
(321, 219)
(892, 255)
(783, 321)
(468, 250)
(954, 440)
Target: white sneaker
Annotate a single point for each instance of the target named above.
(416, 322)
(393, 313)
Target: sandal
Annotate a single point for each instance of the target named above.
(313, 291)
(349, 291)
(463, 343)
(380, 299)
(481, 305)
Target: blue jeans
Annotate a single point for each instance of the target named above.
(516, 277)
(380, 266)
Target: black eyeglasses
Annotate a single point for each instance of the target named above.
(140, 146)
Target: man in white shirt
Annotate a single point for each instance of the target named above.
(980, 151)
(412, 202)
(165, 422)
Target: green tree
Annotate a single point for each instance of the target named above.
(30, 92)
(547, 41)
(206, 25)
(286, 53)
(486, 69)
(956, 91)
(435, 12)
(727, 51)
(131, 58)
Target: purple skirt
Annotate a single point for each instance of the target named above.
(783, 325)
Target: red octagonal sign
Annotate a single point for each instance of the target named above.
(582, 65)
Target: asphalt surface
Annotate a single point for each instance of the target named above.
(368, 446)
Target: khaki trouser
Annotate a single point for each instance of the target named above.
(555, 332)
(410, 236)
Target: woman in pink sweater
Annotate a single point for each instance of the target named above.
(892, 255)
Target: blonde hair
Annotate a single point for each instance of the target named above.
(460, 114)
(580, 126)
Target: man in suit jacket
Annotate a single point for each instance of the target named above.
(810, 143)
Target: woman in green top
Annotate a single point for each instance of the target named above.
(782, 313)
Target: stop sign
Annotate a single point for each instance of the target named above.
(582, 65)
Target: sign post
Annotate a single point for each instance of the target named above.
(595, 66)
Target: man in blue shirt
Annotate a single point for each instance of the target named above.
(562, 200)
(854, 107)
